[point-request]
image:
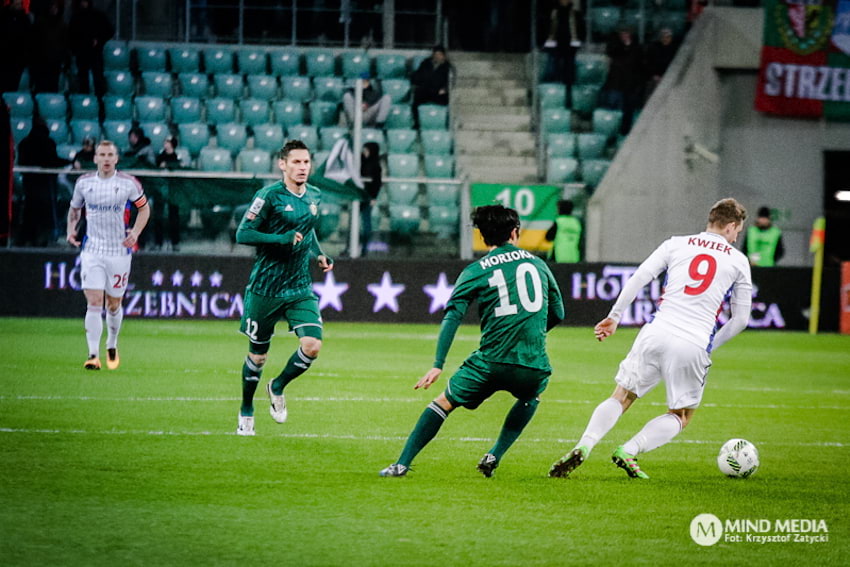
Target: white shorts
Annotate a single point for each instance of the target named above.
(107, 273)
(657, 355)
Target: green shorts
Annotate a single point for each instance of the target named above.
(262, 313)
(476, 380)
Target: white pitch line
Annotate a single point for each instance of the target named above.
(351, 437)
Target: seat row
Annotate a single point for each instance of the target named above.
(607, 19)
(605, 123)
(570, 170)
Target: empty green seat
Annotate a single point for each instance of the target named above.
(262, 86)
(117, 108)
(66, 151)
(20, 128)
(84, 107)
(607, 122)
(229, 85)
(268, 137)
(561, 144)
(676, 20)
(150, 59)
(231, 137)
(561, 170)
(307, 134)
(593, 170)
(119, 83)
(433, 117)
(584, 98)
(403, 165)
(193, 136)
(185, 109)
(439, 166)
(604, 20)
(436, 142)
(442, 194)
(329, 88)
(150, 109)
(185, 59)
(444, 221)
(397, 89)
(402, 193)
(20, 104)
(329, 135)
(254, 161)
(215, 159)
(330, 213)
(157, 83)
(116, 56)
(555, 120)
(251, 61)
(391, 66)
(590, 145)
(52, 106)
(296, 88)
(355, 63)
(217, 60)
(320, 63)
(221, 110)
(194, 84)
(288, 112)
(118, 131)
(157, 132)
(285, 62)
(400, 140)
(58, 129)
(374, 135)
(319, 158)
(591, 69)
(400, 116)
(81, 128)
(552, 95)
(324, 113)
(404, 220)
(254, 111)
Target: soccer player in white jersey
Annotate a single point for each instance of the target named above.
(106, 249)
(702, 270)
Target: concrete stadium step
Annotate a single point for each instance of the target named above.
(480, 142)
(502, 174)
(495, 122)
(491, 95)
(467, 108)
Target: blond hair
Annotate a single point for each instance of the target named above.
(725, 211)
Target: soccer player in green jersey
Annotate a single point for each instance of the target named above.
(519, 302)
(280, 224)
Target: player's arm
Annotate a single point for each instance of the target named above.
(74, 216)
(740, 303)
(325, 261)
(251, 227)
(556, 302)
(143, 215)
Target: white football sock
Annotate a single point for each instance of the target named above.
(94, 329)
(604, 417)
(655, 433)
(113, 326)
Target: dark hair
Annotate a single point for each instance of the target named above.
(495, 222)
(725, 211)
(291, 145)
(565, 207)
(438, 47)
(173, 141)
(764, 212)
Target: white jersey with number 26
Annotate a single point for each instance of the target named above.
(105, 201)
(701, 270)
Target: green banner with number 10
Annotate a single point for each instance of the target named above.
(537, 206)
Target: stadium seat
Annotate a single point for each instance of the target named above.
(81, 128)
(400, 140)
(398, 89)
(185, 109)
(607, 122)
(404, 220)
(590, 145)
(552, 95)
(194, 84)
(185, 59)
(593, 170)
(307, 134)
(403, 165)
(328, 224)
(117, 108)
(433, 117)
(268, 137)
(374, 135)
(221, 110)
(117, 131)
(157, 83)
(20, 128)
(229, 85)
(555, 120)
(262, 86)
(285, 62)
(436, 142)
(20, 104)
(329, 89)
(402, 193)
(329, 135)
(318, 158)
(633, 18)
(66, 151)
(215, 159)
(442, 194)
(24, 83)
(254, 111)
(254, 161)
(391, 66)
(561, 144)
(84, 107)
(119, 83)
(444, 221)
(561, 170)
(676, 20)
(604, 20)
(52, 106)
(401, 116)
(116, 56)
(58, 129)
(323, 113)
(296, 88)
(591, 69)
(184, 156)
(231, 137)
(150, 59)
(251, 61)
(584, 98)
(355, 63)
(217, 60)
(150, 109)
(157, 132)
(288, 112)
(320, 63)
(193, 136)
(439, 166)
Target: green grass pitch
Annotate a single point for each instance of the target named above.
(141, 466)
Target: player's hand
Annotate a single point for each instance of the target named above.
(297, 238)
(325, 264)
(131, 239)
(429, 378)
(605, 328)
(72, 238)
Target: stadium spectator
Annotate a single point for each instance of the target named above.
(84, 158)
(431, 81)
(90, 29)
(512, 355)
(566, 28)
(141, 152)
(51, 48)
(40, 217)
(105, 256)
(370, 167)
(763, 243)
(167, 159)
(675, 346)
(566, 234)
(280, 286)
(624, 85)
(15, 41)
(659, 55)
(375, 105)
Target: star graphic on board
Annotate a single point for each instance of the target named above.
(438, 293)
(197, 278)
(215, 279)
(330, 292)
(386, 293)
(177, 278)
(157, 278)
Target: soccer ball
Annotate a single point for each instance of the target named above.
(738, 458)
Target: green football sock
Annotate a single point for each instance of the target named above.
(297, 365)
(426, 428)
(250, 380)
(515, 422)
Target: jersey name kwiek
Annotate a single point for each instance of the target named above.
(710, 244)
(504, 257)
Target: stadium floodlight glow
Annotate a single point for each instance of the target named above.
(842, 195)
